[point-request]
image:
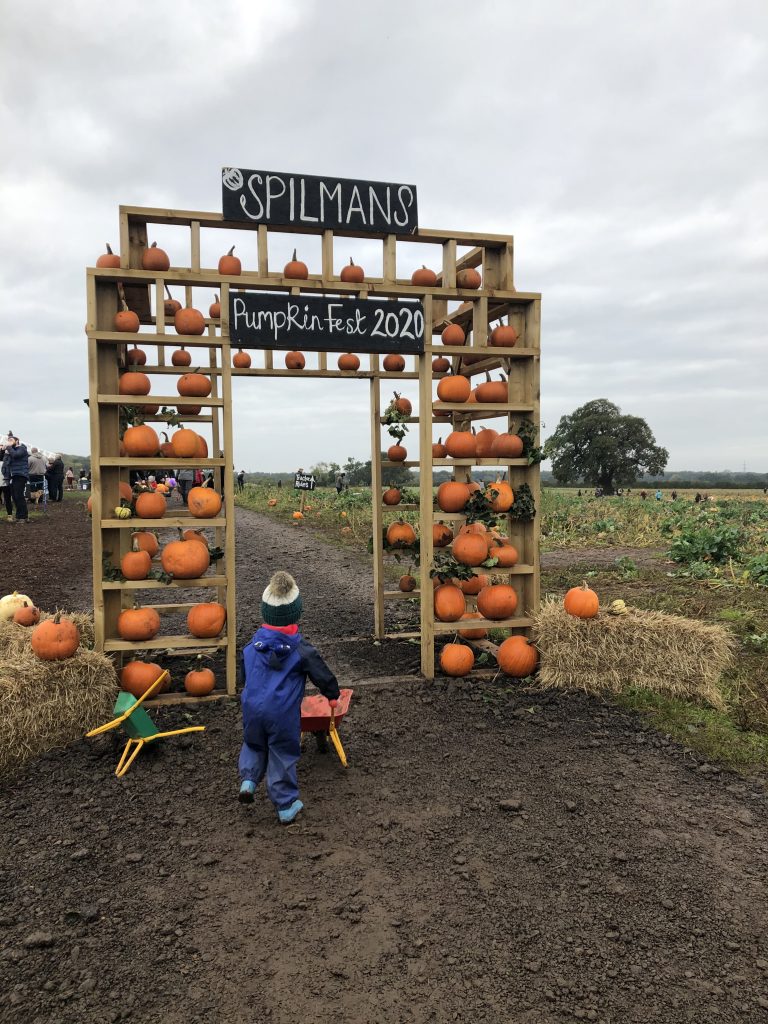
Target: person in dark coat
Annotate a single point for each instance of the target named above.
(276, 664)
(55, 477)
(5, 481)
(18, 471)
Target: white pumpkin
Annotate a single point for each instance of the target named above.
(11, 603)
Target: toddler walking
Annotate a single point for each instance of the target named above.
(276, 664)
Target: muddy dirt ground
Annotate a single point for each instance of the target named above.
(491, 854)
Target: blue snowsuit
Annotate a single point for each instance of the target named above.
(276, 666)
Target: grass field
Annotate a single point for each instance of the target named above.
(705, 561)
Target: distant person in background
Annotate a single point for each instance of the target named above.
(55, 476)
(279, 485)
(88, 479)
(697, 499)
(643, 495)
(674, 495)
(82, 481)
(37, 468)
(186, 480)
(658, 495)
(69, 476)
(241, 480)
(579, 492)
(5, 480)
(18, 471)
(340, 482)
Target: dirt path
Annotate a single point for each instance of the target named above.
(489, 856)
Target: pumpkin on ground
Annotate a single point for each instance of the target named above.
(473, 634)
(424, 277)
(141, 441)
(454, 389)
(452, 496)
(185, 559)
(457, 659)
(27, 615)
(199, 682)
(582, 602)
(230, 265)
(136, 563)
(295, 361)
(449, 603)
(470, 549)
(133, 382)
(137, 676)
(11, 603)
(498, 601)
(193, 385)
(108, 259)
(138, 624)
(296, 269)
(150, 505)
(206, 620)
(517, 657)
(272, 502)
(154, 258)
(55, 639)
(204, 502)
(400, 535)
(352, 274)
(394, 363)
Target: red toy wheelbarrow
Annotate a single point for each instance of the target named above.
(319, 716)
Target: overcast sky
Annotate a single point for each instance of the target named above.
(623, 144)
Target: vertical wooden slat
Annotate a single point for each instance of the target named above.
(263, 248)
(219, 533)
(426, 552)
(229, 493)
(389, 259)
(194, 229)
(377, 518)
(327, 257)
(125, 243)
(449, 263)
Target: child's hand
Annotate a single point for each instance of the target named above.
(334, 703)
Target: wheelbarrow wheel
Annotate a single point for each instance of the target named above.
(321, 740)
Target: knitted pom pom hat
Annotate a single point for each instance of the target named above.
(281, 601)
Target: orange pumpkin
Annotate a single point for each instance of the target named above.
(352, 274)
(126, 321)
(189, 321)
(27, 615)
(199, 682)
(137, 676)
(133, 382)
(295, 360)
(184, 443)
(439, 451)
(206, 620)
(193, 385)
(500, 496)
(348, 361)
(468, 278)
(473, 634)
(189, 410)
(170, 306)
(449, 603)
(506, 554)
(400, 535)
(214, 310)
(138, 624)
(204, 502)
(470, 549)
(498, 601)
(394, 363)
(166, 447)
(273, 501)
(504, 335)
(507, 446)
(141, 442)
(135, 356)
(452, 496)
(492, 390)
(241, 360)
(147, 542)
(196, 535)
(454, 389)
(474, 527)
(396, 453)
(440, 364)
(461, 444)
(453, 334)
(402, 405)
(108, 259)
(202, 448)
(473, 586)
(582, 602)
(150, 505)
(296, 269)
(424, 277)
(442, 535)
(55, 639)
(154, 258)
(136, 563)
(485, 439)
(185, 559)
(230, 265)
(457, 659)
(517, 657)
(407, 584)
(181, 357)
(391, 496)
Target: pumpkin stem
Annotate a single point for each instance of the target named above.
(294, 255)
(351, 262)
(125, 306)
(228, 254)
(215, 294)
(168, 292)
(153, 246)
(109, 250)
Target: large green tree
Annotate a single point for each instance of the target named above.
(598, 445)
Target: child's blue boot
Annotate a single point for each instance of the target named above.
(290, 813)
(247, 792)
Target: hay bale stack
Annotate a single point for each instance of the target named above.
(48, 704)
(665, 653)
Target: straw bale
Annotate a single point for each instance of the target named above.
(666, 653)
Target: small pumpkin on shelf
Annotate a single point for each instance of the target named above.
(454, 388)
(141, 441)
(147, 541)
(185, 559)
(468, 278)
(504, 335)
(485, 439)
(241, 360)
(461, 444)
(204, 502)
(150, 505)
(193, 385)
(189, 321)
(133, 382)
(407, 584)
(476, 633)
(396, 453)
(394, 363)
(295, 269)
(184, 443)
(199, 682)
(206, 620)
(154, 258)
(457, 660)
(402, 405)
(492, 390)
(439, 451)
(498, 601)
(453, 334)
(452, 496)
(442, 535)
(181, 357)
(230, 265)
(214, 310)
(391, 496)
(440, 364)
(136, 356)
(136, 563)
(171, 306)
(450, 604)
(500, 496)
(137, 624)
(424, 277)
(401, 535)
(108, 260)
(470, 549)
(348, 361)
(295, 360)
(126, 321)
(351, 274)
(507, 446)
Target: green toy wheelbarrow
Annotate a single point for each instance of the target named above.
(138, 725)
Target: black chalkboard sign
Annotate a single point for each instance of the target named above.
(304, 482)
(325, 323)
(303, 200)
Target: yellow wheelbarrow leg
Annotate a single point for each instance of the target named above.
(176, 732)
(336, 741)
(125, 761)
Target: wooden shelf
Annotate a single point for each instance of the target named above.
(162, 643)
(159, 400)
(403, 506)
(386, 464)
(482, 407)
(453, 627)
(172, 522)
(460, 351)
(399, 595)
(159, 460)
(203, 581)
(280, 372)
(480, 462)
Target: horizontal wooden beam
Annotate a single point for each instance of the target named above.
(481, 407)
(169, 523)
(187, 698)
(135, 463)
(163, 643)
(452, 627)
(159, 400)
(277, 371)
(461, 351)
(202, 581)
(480, 462)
